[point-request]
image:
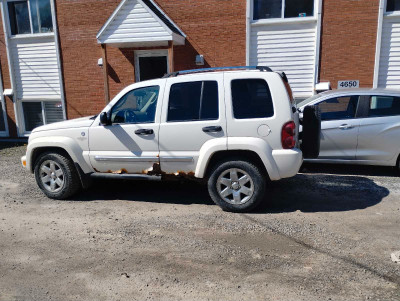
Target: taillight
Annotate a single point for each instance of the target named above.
(288, 135)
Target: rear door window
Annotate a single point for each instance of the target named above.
(193, 101)
(251, 98)
(337, 108)
(380, 106)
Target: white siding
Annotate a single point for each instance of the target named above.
(289, 48)
(134, 23)
(35, 68)
(389, 65)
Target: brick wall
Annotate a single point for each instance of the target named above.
(348, 41)
(214, 28)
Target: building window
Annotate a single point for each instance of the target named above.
(251, 98)
(193, 101)
(393, 5)
(38, 113)
(269, 9)
(30, 17)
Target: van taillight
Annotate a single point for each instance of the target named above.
(288, 135)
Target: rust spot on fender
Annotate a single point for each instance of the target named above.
(120, 172)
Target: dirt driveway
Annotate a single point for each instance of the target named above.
(323, 237)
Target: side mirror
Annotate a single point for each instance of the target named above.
(104, 119)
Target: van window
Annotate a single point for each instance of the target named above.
(251, 98)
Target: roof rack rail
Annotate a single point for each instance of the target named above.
(175, 74)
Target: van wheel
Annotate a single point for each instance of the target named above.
(56, 176)
(237, 186)
(311, 136)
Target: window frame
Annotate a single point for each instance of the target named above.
(282, 17)
(21, 116)
(31, 34)
(130, 91)
(202, 81)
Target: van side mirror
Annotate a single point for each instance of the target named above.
(104, 119)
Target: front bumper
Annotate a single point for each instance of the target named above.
(288, 161)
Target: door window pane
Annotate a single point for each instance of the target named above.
(137, 106)
(19, 17)
(384, 106)
(299, 8)
(53, 111)
(33, 115)
(193, 101)
(339, 108)
(251, 98)
(393, 5)
(267, 9)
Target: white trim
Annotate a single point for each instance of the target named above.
(5, 133)
(382, 8)
(249, 10)
(116, 11)
(57, 46)
(318, 9)
(6, 28)
(148, 53)
(284, 20)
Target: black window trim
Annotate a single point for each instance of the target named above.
(155, 116)
(201, 102)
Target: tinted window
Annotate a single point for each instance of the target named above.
(384, 106)
(193, 101)
(137, 106)
(393, 5)
(251, 98)
(339, 108)
(299, 8)
(33, 115)
(266, 9)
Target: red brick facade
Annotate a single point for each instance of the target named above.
(214, 28)
(348, 41)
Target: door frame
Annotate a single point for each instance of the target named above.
(148, 53)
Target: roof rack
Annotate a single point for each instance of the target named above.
(261, 68)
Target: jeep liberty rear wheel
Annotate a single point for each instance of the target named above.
(237, 186)
(56, 176)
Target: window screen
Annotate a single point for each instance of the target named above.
(41, 16)
(193, 101)
(384, 106)
(393, 5)
(338, 108)
(53, 111)
(251, 98)
(267, 9)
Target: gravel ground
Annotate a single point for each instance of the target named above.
(326, 234)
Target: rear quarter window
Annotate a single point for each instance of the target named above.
(251, 98)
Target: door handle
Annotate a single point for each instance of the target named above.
(144, 132)
(346, 127)
(212, 129)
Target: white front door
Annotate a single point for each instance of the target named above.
(193, 114)
(339, 128)
(130, 143)
(150, 64)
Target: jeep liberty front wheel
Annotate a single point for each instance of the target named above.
(237, 186)
(56, 176)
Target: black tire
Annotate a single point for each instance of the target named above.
(71, 183)
(311, 134)
(258, 178)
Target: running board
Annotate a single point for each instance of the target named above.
(125, 176)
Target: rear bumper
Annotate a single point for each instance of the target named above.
(288, 162)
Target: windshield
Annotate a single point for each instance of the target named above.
(307, 101)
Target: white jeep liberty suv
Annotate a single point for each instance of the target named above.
(235, 128)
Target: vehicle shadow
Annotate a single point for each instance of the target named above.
(304, 192)
(322, 193)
